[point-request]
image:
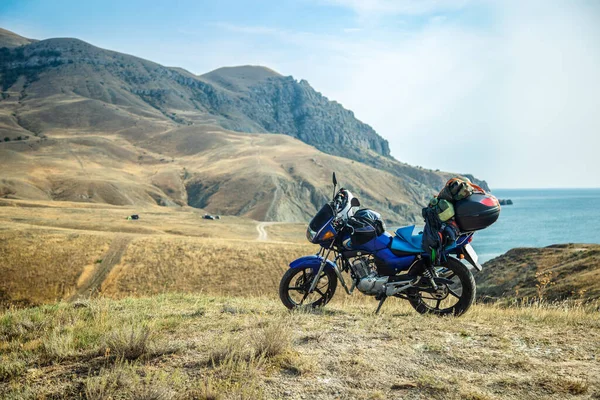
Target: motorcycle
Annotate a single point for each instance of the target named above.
(379, 264)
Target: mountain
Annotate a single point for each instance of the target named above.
(9, 39)
(555, 273)
(269, 102)
(87, 124)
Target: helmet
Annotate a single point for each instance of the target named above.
(346, 209)
(367, 225)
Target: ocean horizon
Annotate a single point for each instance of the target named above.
(539, 218)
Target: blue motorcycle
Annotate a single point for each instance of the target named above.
(379, 264)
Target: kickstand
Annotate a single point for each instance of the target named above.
(383, 298)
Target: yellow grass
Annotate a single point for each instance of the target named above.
(52, 251)
(160, 264)
(41, 266)
(186, 221)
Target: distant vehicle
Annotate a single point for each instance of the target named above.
(207, 216)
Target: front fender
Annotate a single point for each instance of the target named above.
(311, 261)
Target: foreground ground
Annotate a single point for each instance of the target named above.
(202, 347)
(228, 336)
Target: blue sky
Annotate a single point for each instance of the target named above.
(507, 90)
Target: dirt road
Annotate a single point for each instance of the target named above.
(262, 232)
(111, 258)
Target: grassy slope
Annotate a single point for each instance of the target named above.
(10, 39)
(193, 346)
(278, 177)
(61, 246)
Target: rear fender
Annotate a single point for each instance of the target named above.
(312, 262)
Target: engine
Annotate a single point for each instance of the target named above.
(368, 281)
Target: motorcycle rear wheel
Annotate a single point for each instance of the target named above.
(296, 282)
(451, 299)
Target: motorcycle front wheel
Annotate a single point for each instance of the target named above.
(296, 282)
(450, 299)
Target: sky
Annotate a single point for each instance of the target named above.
(506, 90)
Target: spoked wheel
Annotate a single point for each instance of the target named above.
(296, 282)
(450, 299)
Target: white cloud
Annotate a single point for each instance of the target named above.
(405, 7)
(248, 29)
(514, 101)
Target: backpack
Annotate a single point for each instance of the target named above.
(444, 208)
(432, 236)
(458, 189)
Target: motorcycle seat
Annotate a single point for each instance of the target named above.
(406, 242)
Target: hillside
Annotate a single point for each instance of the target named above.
(280, 178)
(554, 273)
(245, 99)
(80, 123)
(10, 39)
(70, 249)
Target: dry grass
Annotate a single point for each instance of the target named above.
(129, 343)
(61, 246)
(265, 351)
(292, 233)
(174, 346)
(186, 221)
(41, 266)
(552, 273)
(164, 264)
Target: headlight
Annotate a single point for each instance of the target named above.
(310, 234)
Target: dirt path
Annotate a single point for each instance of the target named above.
(111, 258)
(262, 232)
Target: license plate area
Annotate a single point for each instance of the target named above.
(471, 256)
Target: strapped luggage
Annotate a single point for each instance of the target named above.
(461, 206)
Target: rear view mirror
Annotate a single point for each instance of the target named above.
(334, 180)
(355, 202)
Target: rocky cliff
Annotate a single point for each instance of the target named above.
(281, 104)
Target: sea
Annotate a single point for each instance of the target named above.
(541, 217)
(538, 218)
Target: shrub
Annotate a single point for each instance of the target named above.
(272, 340)
(59, 345)
(129, 343)
(11, 368)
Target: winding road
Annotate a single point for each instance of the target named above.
(262, 232)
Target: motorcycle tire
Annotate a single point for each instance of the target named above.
(298, 281)
(458, 272)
